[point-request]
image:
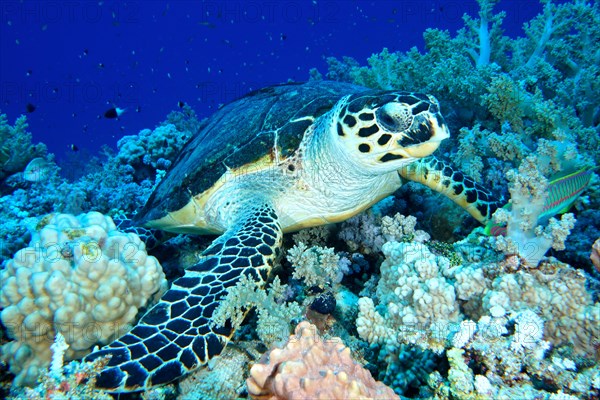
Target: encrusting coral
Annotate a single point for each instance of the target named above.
(312, 367)
(79, 277)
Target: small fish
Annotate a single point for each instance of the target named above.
(114, 112)
(206, 24)
(37, 170)
(563, 191)
(180, 104)
(30, 107)
(73, 147)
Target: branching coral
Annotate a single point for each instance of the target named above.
(362, 233)
(523, 234)
(420, 302)
(224, 377)
(562, 300)
(484, 32)
(151, 150)
(400, 228)
(504, 100)
(312, 367)
(509, 361)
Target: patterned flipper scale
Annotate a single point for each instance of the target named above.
(152, 238)
(177, 336)
(460, 188)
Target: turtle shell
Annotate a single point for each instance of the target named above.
(241, 133)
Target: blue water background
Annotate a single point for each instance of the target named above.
(73, 60)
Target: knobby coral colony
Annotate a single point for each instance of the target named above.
(487, 316)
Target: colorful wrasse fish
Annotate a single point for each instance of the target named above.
(562, 193)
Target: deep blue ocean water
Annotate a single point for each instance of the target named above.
(65, 63)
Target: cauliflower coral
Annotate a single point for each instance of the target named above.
(79, 277)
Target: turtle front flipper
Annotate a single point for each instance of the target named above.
(177, 336)
(460, 188)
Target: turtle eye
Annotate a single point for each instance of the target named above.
(394, 117)
(386, 120)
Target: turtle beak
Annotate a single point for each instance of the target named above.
(422, 150)
(438, 131)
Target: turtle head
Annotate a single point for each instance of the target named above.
(389, 129)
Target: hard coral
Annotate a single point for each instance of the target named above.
(79, 277)
(529, 191)
(419, 298)
(310, 367)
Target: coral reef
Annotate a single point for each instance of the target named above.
(528, 194)
(17, 149)
(273, 314)
(75, 381)
(111, 183)
(512, 355)
(154, 150)
(224, 377)
(558, 293)
(316, 266)
(422, 300)
(79, 277)
(151, 150)
(485, 317)
(310, 366)
(421, 303)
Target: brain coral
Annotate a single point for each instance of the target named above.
(312, 367)
(79, 276)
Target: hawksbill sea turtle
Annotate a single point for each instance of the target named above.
(279, 159)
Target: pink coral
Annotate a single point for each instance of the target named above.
(595, 256)
(310, 367)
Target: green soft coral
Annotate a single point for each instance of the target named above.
(16, 148)
(274, 315)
